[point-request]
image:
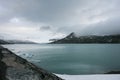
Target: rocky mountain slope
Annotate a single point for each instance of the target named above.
(73, 38)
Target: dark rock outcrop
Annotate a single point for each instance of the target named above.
(3, 67)
(14, 67)
(113, 72)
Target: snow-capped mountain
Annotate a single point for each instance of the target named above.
(75, 38)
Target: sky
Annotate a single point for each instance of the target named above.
(41, 20)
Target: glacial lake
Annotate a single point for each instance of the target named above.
(71, 59)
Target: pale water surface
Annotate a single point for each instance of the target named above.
(71, 58)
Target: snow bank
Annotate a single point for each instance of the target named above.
(91, 77)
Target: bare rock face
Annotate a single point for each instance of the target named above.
(22, 74)
(3, 67)
(14, 67)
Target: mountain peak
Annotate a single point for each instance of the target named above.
(73, 38)
(71, 35)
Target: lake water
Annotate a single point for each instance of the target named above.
(71, 58)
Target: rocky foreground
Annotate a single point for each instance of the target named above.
(13, 67)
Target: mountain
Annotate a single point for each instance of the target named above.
(73, 38)
(15, 42)
(20, 42)
(3, 42)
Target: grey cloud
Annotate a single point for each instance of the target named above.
(111, 26)
(49, 11)
(65, 16)
(44, 28)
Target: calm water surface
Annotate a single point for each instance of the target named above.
(71, 58)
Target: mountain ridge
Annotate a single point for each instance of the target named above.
(72, 38)
(2, 41)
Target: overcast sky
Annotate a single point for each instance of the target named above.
(41, 20)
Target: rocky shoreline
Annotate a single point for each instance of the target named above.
(13, 67)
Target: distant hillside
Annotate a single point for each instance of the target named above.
(15, 42)
(3, 42)
(73, 38)
(20, 42)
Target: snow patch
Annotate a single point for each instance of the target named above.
(91, 77)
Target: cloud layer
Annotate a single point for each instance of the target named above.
(40, 20)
